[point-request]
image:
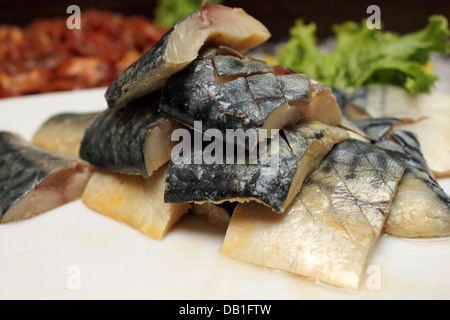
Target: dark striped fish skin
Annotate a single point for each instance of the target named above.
(25, 167)
(421, 208)
(64, 132)
(116, 139)
(127, 87)
(377, 128)
(427, 115)
(274, 184)
(213, 25)
(328, 231)
(229, 92)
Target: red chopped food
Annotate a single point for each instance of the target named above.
(46, 56)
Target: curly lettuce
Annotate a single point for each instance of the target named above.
(363, 56)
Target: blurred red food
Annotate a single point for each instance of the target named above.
(46, 56)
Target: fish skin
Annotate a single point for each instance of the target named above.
(23, 167)
(421, 208)
(118, 94)
(64, 132)
(425, 114)
(116, 139)
(306, 144)
(212, 26)
(328, 231)
(377, 128)
(246, 100)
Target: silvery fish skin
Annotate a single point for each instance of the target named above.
(34, 180)
(127, 141)
(421, 208)
(427, 115)
(328, 231)
(272, 180)
(212, 25)
(226, 90)
(376, 128)
(64, 132)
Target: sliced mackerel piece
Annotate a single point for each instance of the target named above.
(329, 230)
(377, 128)
(211, 26)
(64, 132)
(226, 90)
(421, 208)
(427, 115)
(136, 142)
(135, 201)
(35, 180)
(274, 178)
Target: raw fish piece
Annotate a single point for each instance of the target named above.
(218, 215)
(212, 26)
(34, 180)
(329, 230)
(273, 179)
(226, 90)
(421, 208)
(426, 115)
(64, 132)
(135, 201)
(129, 142)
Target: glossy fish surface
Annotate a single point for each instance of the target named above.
(421, 208)
(211, 26)
(129, 142)
(328, 231)
(427, 115)
(273, 180)
(34, 180)
(225, 90)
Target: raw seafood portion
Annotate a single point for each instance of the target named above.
(218, 215)
(211, 26)
(426, 115)
(329, 230)
(135, 201)
(421, 208)
(136, 142)
(34, 180)
(274, 178)
(64, 132)
(226, 90)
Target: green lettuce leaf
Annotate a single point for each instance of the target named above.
(363, 56)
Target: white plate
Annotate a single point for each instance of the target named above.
(75, 253)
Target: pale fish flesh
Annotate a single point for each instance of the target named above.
(213, 25)
(35, 180)
(64, 132)
(426, 115)
(329, 230)
(135, 201)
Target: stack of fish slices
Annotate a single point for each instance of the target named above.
(316, 211)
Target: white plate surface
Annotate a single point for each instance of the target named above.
(75, 253)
